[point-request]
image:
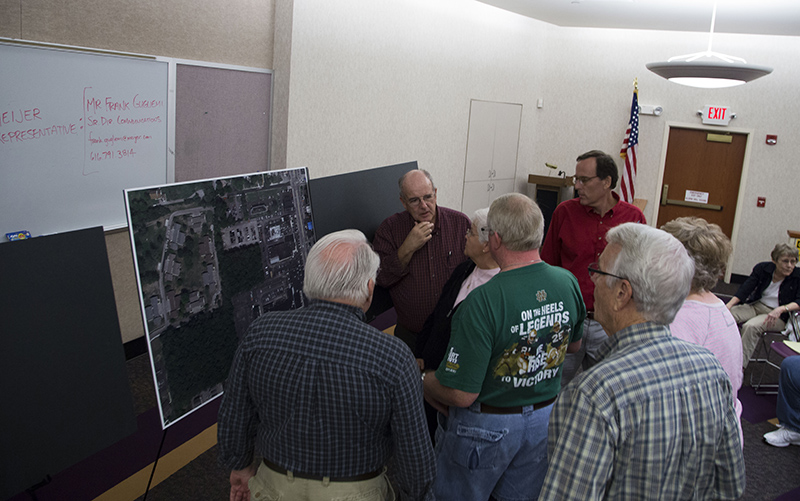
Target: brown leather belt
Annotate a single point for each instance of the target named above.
(490, 409)
(357, 478)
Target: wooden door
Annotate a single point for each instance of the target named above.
(702, 173)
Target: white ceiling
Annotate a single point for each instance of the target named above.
(763, 17)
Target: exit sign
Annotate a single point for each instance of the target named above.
(716, 115)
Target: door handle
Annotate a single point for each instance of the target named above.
(683, 203)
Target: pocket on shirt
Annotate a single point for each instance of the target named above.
(474, 447)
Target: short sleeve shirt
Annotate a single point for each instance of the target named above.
(510, 336)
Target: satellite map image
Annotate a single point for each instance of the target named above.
(212, 256)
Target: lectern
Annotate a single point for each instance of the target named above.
(549, 193)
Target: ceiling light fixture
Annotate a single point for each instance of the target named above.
(708, 69)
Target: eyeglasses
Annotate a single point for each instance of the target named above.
(583, 179)
(595, 270)
(428, 199)
(470, 233)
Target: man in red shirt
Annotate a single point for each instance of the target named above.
(577, 236)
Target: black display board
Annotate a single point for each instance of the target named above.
(359, 200)
(63, 379)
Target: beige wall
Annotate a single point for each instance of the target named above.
(380, 82)
(234, 32)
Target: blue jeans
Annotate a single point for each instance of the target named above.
(593, 338)
(504, 455)
(789, 394)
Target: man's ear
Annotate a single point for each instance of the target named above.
(494, 241)
(623, 294)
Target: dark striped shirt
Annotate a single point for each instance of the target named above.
(318, 391)
(415, 289)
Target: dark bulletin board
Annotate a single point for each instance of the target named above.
(222, 121)
(360, 200)
(62, 367)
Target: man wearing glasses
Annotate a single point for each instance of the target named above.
(502, 369)
(576, 238)
(419, 249)
(654, 418)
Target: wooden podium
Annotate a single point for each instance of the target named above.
(548, 193)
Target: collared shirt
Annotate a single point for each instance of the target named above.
(318, 391)
(654, 419)
(577, 236)
(416, 288)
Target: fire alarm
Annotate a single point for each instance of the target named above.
(772, 139)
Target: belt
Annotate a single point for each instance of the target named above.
(490, 409)
(357, 478)
(590, 315)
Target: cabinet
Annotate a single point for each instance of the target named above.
(491, 162)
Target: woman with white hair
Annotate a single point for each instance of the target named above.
(704, 319)
(434, 337)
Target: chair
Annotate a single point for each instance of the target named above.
(779, 348)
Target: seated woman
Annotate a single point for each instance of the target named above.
(434, 337)
(703, 319)
(765, 300)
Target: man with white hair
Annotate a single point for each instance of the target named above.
(324, 398)
(654, 419)
(502, 368)
(419, 249)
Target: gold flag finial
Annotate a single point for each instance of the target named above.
(636, 83)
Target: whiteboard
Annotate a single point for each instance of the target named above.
(76, 128)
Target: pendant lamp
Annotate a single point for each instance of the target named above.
(708, 69)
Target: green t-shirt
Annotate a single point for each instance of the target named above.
(509, 336)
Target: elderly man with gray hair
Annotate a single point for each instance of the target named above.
(502, 368)
(655, 418)
(324, 398)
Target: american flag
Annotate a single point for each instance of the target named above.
(628, 151)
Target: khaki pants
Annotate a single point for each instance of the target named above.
(753, 316)
(269, 485)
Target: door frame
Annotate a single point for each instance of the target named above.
(742, 182)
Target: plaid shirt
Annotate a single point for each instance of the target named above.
(654, 419)
(415, 289)
(318, 391)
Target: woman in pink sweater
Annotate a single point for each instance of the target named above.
(704, 319)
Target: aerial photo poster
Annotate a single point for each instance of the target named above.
(211, 256)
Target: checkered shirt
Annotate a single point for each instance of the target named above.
(318, 391)
(654, 419)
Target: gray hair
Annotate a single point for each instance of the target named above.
(658, 267)
(707, 245)
(479, 219)
(781, 250)
(339, 266)
(518, 221)
(403, 180)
